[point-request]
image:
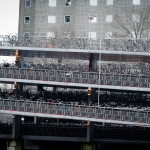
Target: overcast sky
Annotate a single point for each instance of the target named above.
(9, 13)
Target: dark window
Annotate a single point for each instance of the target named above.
(67, 18)
(28, 3)
(68, 2)
(26, 19)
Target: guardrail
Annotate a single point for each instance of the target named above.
(128, 80)
(122, 115)
(140, 45)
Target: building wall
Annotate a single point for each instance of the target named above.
(79, 12)
(27, 11)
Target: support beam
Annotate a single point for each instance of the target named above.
(90, 131)
(35, 120)
(93, 62)
(16, 130)
(19, 89)
(88, 146)
(14, 145)
(40, 87)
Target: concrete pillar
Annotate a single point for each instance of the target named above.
(103, 146)
(91, 95)
(55, 89)
(19, 90)
(58, 121)
(16, 130)
(35, 120)
(19, 60)
(90, 131)
(40, 88)
(14, 145)
(93, 62)
(88, 146)
(31, 145)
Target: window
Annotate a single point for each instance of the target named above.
(92, 35)
(108, 35)
(109, 2)
(27, 3)
(51, 19)
(92, 19)
(93, 2)
(68, 2)
(109, 18)
(67, 19)
(50, 34)
(52, 3)
(26, 19)
(136, 2)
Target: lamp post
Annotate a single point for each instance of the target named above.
(89, 88)
(99, 77)
(91, 17)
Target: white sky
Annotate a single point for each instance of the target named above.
(9, 59)
(9, 15)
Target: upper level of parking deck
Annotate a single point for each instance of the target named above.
(117, 50)
(122, 78)
(76, 79)
(116, 115)
(84, 45)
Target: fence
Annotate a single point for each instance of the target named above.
(104, 113)
(140, 45)
(113, 79)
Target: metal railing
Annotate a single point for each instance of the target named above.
(53, 130)
(105, 113)
(6, 128)
(129, 80)
(140, 45)
(125, 132)
(78, 130)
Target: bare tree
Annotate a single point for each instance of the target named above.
(134, 23)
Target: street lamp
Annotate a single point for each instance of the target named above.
(91, 18)
(99, 77)
(89, 95)
(22, 119)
